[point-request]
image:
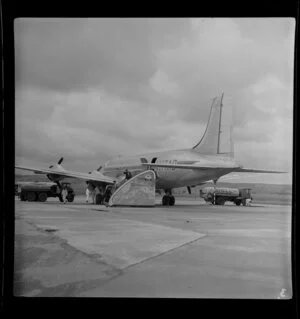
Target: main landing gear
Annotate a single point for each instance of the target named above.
(60, 188)
(168, 199)
(216, 200)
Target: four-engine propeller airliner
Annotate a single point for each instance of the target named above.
(208, 160)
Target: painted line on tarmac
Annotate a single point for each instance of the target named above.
(165, 252)
(150, 258)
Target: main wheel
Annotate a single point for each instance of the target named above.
(166, 200)
(42, 197)
(238, 203)
(31, 196)
(53, 189)
(172, 201)
(70, 198)
(219, 201)
(22, 196)
(99, 199)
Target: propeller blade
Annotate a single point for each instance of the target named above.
(60, 161)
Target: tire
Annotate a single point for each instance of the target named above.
(172, 201)
(53, 189)
(31, 196)
(238, 203)
(219, 201)
(23, 196)
(70, 198)
(99, 199)
(42, 197)
(222, 201)
(166, 200)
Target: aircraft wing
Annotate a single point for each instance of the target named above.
(95, 177)
(250, 170)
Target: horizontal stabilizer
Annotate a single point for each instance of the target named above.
(250, 170)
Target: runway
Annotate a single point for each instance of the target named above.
(191, 250)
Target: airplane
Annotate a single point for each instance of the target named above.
(211, 158)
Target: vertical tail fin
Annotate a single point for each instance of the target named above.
(217, 138)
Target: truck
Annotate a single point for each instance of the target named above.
(40, 191)
(220, 195)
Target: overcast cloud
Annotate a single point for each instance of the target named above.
(91, 89)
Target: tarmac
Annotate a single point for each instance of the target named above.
(190, 250)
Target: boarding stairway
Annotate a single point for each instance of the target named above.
(138, 191)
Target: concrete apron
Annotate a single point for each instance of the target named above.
(116, 241)
(138, 191)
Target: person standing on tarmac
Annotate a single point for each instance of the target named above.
(64, 193)
(107, 194)
(100, 196)
(93, 194)
(90, 192)
(248, 201)
(87, 192)
(214, 198)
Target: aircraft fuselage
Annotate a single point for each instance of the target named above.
(168, 178)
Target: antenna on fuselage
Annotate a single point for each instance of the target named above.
(220, 121)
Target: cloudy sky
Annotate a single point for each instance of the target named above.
(91, 89)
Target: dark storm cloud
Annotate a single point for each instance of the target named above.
(67, 55)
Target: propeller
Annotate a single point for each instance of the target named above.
(58, 163)
(189, 189)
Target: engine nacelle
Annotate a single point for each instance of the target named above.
(55, 177)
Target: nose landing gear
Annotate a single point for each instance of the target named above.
(168, 199)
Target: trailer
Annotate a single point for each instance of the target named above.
(40, 191)
(220, 195)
